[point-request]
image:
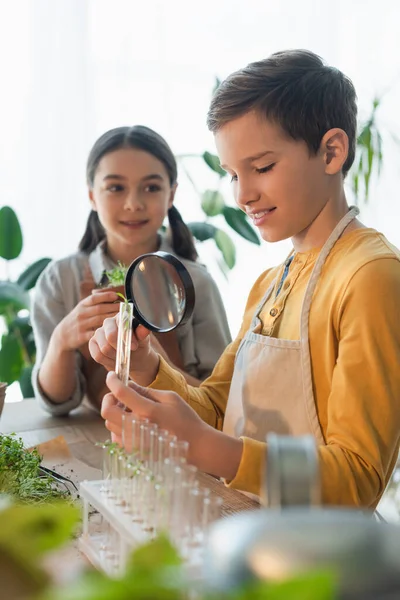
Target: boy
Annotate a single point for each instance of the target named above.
(319, 347)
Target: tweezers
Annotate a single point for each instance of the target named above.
(57, 476)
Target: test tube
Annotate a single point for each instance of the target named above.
(196, 518)
(148, 439)
(122, 363)
(212, 507)
(127, 418)
(163, 449)
(179, 450)
(106, 469)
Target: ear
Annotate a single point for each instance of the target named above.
(172, 196)
(334, 149)
(92, 200)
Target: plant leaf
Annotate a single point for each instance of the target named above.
(123, 298)
(31, 530)
(222, 267)
(239, 223)
(379, 151)
(157, 552)
(12, 297)
(30, 346)
(227, 248)
(11, 358)
(355, 184)
(307, 586)
(202, 231)
(25, 382)
(116, 277)
(212, 202)
(10, 234)
(216, 85)
(22, 324)
(213, 162)
(364, 139)
(376, 104)
(152, 574)
(27, 280)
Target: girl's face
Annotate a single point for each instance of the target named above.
(131, 194)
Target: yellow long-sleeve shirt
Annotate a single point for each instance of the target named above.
(354, 337)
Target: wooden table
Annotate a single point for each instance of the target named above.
(81, 430)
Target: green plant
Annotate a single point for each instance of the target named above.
(369, 155)
(154, 571)
(27, 533)
(20, 475)
(17, 346)
(213, 205)
(116, 276)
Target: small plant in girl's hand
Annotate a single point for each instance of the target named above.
(116, 276)
(123, 298)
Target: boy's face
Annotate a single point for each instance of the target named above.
(275, 179)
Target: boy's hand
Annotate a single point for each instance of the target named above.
(168, 410)
(144, 359)
(210, 450)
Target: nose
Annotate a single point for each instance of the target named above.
(133, 201)
(245, 193)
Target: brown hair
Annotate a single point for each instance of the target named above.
(139, 138)
(294, 89)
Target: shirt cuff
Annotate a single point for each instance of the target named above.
(58, 409)
(250, 474)
(168, 379)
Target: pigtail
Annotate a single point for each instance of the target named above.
(94, 233)
(181, 237)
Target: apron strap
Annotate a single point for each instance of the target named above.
(305, 314)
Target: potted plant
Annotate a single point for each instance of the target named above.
(17, 345)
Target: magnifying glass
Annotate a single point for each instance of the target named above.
(160, 296)
(161, 290)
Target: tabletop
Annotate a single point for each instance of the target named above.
(81, 429)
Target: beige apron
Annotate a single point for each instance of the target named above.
(271, 389)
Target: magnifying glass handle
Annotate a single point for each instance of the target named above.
(135, 323)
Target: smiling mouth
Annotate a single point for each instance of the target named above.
(134, 224)
(260, 214)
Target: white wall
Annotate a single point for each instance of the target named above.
(73, 68)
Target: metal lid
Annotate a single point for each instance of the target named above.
(292, 474)
(276, 545)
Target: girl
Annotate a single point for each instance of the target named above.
(132, 180)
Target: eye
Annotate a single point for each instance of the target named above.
(233, 178)
(115, 187)
(152, 188)
(265, 169)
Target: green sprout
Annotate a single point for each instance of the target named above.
(20, 475)
(116, 276)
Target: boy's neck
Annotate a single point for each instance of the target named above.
(316, 234)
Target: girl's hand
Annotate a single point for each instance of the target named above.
(144, 359)
(76, 329)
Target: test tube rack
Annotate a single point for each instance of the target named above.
(109, 534)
